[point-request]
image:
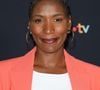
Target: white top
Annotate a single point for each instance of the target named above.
(45, 81)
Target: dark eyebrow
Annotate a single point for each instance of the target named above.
(36, 15)
(59, 14)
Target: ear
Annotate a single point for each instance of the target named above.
(69, 23)
(28, 25)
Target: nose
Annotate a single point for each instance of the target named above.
(49, 28)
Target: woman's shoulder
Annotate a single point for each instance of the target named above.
(84, 68)
(6, 66)
(82, 63)
(9, 63)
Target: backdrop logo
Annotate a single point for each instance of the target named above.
(81, 28)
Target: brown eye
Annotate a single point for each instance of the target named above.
(58, 20)
(37, 21)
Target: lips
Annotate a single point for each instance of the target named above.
(49, 41)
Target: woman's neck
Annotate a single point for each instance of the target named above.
(50, 60)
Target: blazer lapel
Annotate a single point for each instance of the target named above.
(78, 76)
(21, 75)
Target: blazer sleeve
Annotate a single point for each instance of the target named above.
(96, 78)
(4, 77)
(5, 70)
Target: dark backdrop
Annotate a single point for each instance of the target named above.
(13, 27)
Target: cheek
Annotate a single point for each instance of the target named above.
(61, 29)
(35, 30)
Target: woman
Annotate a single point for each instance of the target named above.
(48, 66)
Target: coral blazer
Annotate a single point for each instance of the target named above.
(16, 73)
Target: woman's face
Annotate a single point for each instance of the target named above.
(49, 25)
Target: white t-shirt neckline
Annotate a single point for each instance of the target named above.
(46, 81)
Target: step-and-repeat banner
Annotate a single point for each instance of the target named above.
(85, 19)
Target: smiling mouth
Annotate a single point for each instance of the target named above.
(49, 41)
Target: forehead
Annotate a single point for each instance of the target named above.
(48, 7)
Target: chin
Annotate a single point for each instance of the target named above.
(51, 49)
